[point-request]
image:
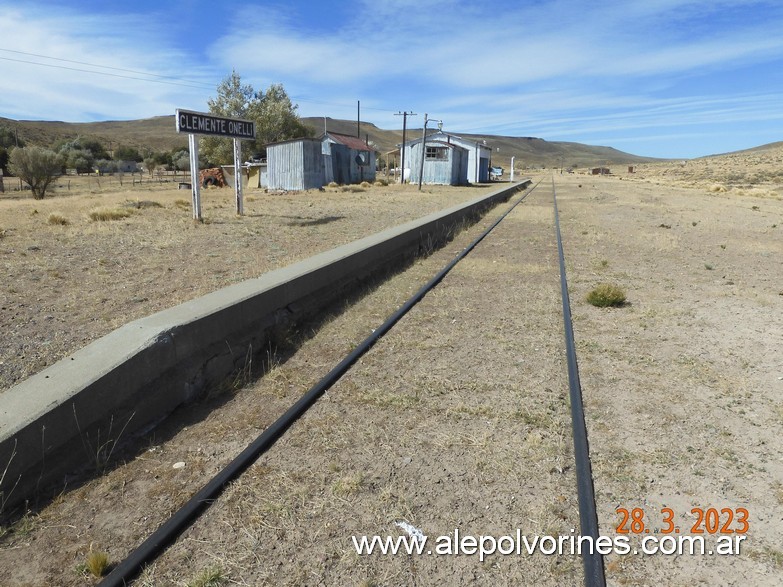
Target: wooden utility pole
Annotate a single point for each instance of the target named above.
(405, 116)
(423, 150)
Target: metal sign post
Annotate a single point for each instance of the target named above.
(238, 176)
(195, 123)
(195, 188)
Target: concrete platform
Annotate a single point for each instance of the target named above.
(70, 416)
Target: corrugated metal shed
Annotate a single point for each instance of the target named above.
(444, 163)
(297, 164)
(347, 159)
(479, 155)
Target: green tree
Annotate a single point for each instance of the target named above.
(125, 153)
(273, 112)
(276, 117)
(8, 138)
(4, 160)
(180, 160)
(36, 166)
(95, 147)
(150, 164)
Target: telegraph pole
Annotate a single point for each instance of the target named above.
(423, 149)
(405, 116)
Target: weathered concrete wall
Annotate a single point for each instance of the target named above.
(70, 415)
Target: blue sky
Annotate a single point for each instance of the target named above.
(663, 78)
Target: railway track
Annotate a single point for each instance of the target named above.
(196, 506)
(459, 417)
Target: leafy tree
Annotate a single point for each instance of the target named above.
(37, 166)
(95, 147)
(150, 164)
(276, 117)
(78, 154)
(8, 138)
(180, 160)
(4, 160)
(125, 153)
(274, 114)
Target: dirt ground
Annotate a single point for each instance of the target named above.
(459, 418)
(68, 284)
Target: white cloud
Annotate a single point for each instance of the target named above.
(55, 63)
(553, 68)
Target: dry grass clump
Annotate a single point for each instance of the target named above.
(104, 214)
(57, 219)
(366, 184)
(97, 563)
(352, 188)
(381, 182)
(717, 188)
(332, 184)
(139, 204)
(606, 295)
(209, 577)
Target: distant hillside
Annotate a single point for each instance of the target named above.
(528, 151)
(159, 133)
(760, 149)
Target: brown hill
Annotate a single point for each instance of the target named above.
(159, 133)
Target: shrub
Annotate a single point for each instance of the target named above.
(606, 295)
(97, 563)
(55, 219)
(139, 204)
(103, 214)
(209, 577)
(37, 167)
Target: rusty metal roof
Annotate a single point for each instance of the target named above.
(349, 141)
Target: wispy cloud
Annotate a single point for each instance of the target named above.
(625, 70)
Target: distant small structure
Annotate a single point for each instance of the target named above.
(600, 171)
(444, 163)
(347, 159)
(479, 154)
(311, 163)
(295, 164)
(256, 174)
(631, 169)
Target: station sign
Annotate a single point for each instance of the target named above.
(200, 123)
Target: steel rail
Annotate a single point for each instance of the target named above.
(593, 562)
(182, 519)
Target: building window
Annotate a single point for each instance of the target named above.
(437, 153)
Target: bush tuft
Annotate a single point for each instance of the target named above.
(103, 214)
(606, 295)
(57, 219)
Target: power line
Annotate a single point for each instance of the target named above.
(106, 73)
(148, 77)
(171, 77)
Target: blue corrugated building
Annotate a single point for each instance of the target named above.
(310, 163)
(297, 164)
(444, 163)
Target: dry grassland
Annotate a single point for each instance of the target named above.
(98, 255)
(459, 417)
